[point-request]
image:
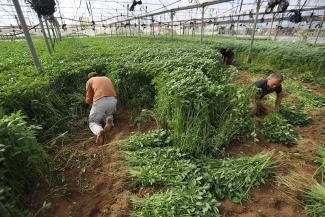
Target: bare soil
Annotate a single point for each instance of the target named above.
(276, 198)
(95, 177)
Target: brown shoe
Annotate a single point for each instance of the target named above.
(100, 138)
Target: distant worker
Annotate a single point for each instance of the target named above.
(228, 56)
(266, 86)
(101, 95)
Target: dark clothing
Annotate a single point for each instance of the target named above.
(263, 90)
(227, 55)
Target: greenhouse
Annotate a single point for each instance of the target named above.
(162, 108)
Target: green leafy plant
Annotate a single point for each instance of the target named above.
(320, 159)
(22, 160)
(190, 200)
(233, 178)
(314, 200)
(203, 114)
(159, 166)
(307, 98)
(294, 116)
(275, 128)
(154, 138)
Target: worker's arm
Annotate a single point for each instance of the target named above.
(278, 100)
(89, 93)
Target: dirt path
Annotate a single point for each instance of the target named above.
(92, 180)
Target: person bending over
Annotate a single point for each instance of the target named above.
(101, 95)
(228, 56)
(271, 84)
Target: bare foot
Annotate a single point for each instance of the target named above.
(100, 138)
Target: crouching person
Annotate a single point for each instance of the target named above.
(101, 95)
(266, 86)
(228, 56)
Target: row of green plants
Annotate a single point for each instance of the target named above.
(289, 74)
(201, 119)
(280, 127)
(291, 57)
(22, 161)
(204, 112)
(53, 99)
(187, 185)
(314, 197)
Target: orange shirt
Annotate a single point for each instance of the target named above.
(98, 87)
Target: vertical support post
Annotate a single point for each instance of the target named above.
(57, 28)
(237, 25)
(188, 29)
(53, 32)
(27, 35)
(48, 32)
(249, 58)
(183, 32)
(271, 28)
(58, 33)
(202, 23)
(130, 28)
(129, 23)
(139, 26)
(172, 13)
(214, 24)
(319, 29)
(153, 26)
(193, 26)
(44, 34)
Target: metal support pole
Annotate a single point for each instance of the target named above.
(188, 29)
(58, 28)
(249, 58)
(202, 24)
(130, 28)
(27, 35)
(139, 26)
(193, 26)
(214, 24)
(153, 26)
(172, 13)
(271, 26)
(319, 29)
(48, 32)
(57, 31)
(53, 32)
(44, 34)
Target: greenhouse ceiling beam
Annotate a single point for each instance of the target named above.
(276, 12)
(316, 18)
(205, 4)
